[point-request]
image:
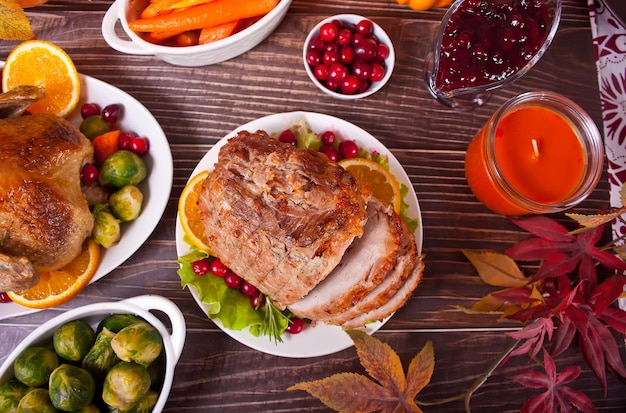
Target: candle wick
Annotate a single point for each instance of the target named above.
(535, 148)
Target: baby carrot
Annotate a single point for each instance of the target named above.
(159, 7)
(221, 31)
(205, 15)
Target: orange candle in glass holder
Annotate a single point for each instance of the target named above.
(539, 153)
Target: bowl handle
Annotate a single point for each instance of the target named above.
(177, 320)
(110, 36)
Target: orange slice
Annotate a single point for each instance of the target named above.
(44, 64)
(383, 184)
(60, 286)
(189, 213)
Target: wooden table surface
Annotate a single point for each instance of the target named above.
(198, 106)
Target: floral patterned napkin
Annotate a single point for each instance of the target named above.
(609, 38)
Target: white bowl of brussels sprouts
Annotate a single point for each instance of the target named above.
(97, 346)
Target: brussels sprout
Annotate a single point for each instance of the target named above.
(106, 229)
(145, 405)
(138, 342)
(125, 385)
(73, 340)
(71, 387)
(33, 366)
(116, 322)
(36, 401)
(126, 203)
(101, 357)
(122, 168)
(11, 393)
(94, 126)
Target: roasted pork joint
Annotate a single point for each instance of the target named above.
(43, 213)
(303, 231)
(280, 217)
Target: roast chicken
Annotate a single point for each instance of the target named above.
(44, 217)
(306, 234)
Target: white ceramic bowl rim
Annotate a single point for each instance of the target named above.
(173, 342)
(379, 32)
(174, 50)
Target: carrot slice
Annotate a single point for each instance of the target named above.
(205, 15)
(221, 31)
(105, 145)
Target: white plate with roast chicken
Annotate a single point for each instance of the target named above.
(306, 234)
(155, 188)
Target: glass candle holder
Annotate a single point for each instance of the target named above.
(538, 153)
(485, 45)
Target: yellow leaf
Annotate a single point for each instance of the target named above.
(420, 370)
(351, 392)
(379, 360)
(593, 221)
(14, 24)
(347, 392)
(622, 195)
(496, 269)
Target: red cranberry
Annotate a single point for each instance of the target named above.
(365, 27)
(366, 50)
(287, 136)
(331, 152)
(295, 325)
(350, 85)
(201, 266)
(218, 268)
(4, 297)
(257, 301)
(232, 280)
(321, 72)
(361, 70)
(88, 174)
(123, 141)
(313, 57)
(328, 32)
(347, 55)
(112, 113)
(248, 289)
(378, 72)
(330, 57)
(348, 149)
(337, 72)
(344, 37)
(328, 137)
(89, 109)
(140, 145)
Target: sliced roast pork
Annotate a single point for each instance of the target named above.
(280, 217)
(379, 272)
(364, 266)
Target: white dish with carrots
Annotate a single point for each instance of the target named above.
(173, 29)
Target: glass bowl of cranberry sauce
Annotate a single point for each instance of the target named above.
(348, 56)
(483, 45)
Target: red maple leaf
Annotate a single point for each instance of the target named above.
(558, 396)
(561, 252)
(591, 316)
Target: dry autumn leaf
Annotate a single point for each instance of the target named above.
(593, 221)
(391, 392)
(14, 24)
(496, 269)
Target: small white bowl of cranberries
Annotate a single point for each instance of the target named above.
(348, 56)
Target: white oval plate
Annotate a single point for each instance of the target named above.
(322, 339)
(156, 188)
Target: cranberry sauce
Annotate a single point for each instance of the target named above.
(486, 41)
